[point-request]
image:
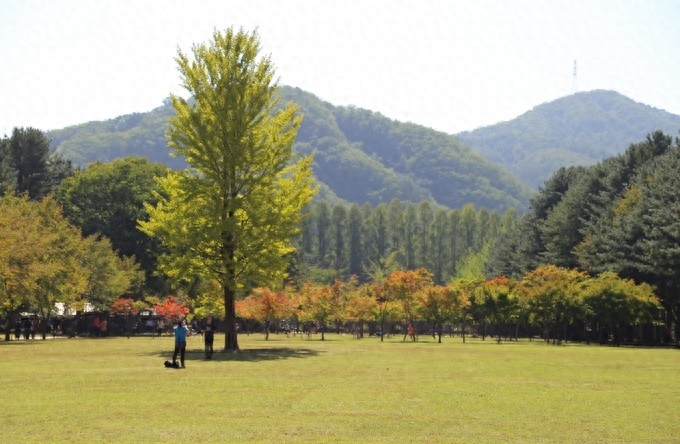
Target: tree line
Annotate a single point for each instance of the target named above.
(45, 262)
(369, 242)
(82, 244)
(550, 302)
(618, 216)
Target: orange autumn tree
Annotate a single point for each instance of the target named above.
(440, 305)
(340, 292)
(383, 310)
(318, 304)
(128, 308)
(403, 287)
(247, 309)
(171, 308)
(361, 307)
(267, 306)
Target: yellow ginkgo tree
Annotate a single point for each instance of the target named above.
(231, 215)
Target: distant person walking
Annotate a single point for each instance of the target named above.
(34, 327)
(209, 336)
(160, 326)
(412, 332)
(181, 332)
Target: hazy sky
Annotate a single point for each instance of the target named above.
(452, 65)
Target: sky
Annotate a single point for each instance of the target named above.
(450, 65)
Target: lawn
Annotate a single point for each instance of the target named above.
(301, 389)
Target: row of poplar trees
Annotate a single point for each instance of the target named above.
(368, 242)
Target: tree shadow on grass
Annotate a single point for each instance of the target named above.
(16, 343)
(248, 355)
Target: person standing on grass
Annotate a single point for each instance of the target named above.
(96, 327)
(160, 326)
(181, 333)
(209, 336)
(27, 329)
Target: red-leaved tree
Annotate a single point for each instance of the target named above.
(172, 309)
(129, 309)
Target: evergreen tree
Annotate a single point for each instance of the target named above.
(339, 238)
(454, 241)
(410, 236)
(28, 166)
(483, 228)
(369, 235)
(8, 175)
(423, 235)
(396, 230)
(439, 255)
(354, 241)
(379, 224)
(323, 233)
(640, 239)
(468, 228)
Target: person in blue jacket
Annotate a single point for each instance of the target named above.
(181, 333)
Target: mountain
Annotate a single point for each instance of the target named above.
(580, 129)
(360, 156)
(137, 134)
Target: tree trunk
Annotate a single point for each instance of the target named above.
(230, 336)
(382, 326)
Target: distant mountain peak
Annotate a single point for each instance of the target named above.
(579, 129)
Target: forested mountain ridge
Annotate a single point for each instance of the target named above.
(580, 129)
(137, 134)
(360, 156)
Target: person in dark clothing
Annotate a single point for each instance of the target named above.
(27, 329)
(209, 336)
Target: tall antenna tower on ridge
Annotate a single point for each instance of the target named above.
(574, 88)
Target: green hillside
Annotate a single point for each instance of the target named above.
(360, 156)
(579, 129)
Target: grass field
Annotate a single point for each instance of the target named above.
(299, 389)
